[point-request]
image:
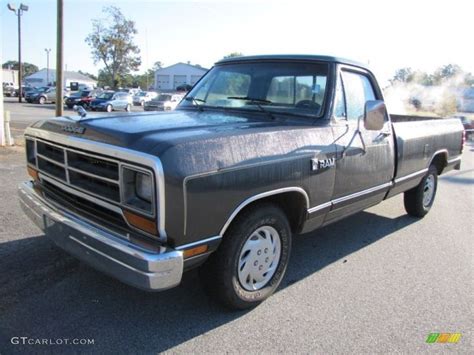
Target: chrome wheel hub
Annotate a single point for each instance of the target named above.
(259, 258)
(428, 190)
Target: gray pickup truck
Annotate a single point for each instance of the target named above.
(261, 149)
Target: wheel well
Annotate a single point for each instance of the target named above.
(439, 161)
(292, 203)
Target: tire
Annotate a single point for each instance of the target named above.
(418, 201)
(109, 108)
(42, 100)
(266, 224)
(128, 108)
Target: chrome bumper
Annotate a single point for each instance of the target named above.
(129, 263)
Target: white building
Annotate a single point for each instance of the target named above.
(40, 78)
(10, 77)
(171, 77)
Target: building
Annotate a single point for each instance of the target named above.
(466, 100)
(169, 78)
(40, 78)
(10, 77)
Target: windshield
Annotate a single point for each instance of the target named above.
(163, 98)
(85, 93)
(141, 94)
(106, 95)
(297, 88)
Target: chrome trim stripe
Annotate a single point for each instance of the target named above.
(349, 197)
(199, 242)
(260, 196)
(361, 193)
(410, 176)
(320, 207)
(117, 152)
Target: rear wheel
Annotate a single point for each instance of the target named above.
(418, 201)
(251, 260)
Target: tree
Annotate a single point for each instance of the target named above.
(233, 54)
(28, 68)
(112, 44)
(446, 72)
(92, 76)
(403, 75)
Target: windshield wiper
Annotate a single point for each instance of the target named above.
(255, 101)
(195, 101)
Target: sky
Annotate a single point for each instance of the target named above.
(387, 35)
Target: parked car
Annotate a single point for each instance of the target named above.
(31, 95)
(8, 90)
(144, 96)
(280, 146)
(24, 90)
(163, 102)
(82, 98)
(184, 88)
(48, 96)
(111, 101)
(467, 124)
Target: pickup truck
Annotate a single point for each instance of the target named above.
(262, 149)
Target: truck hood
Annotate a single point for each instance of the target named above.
(155, 132)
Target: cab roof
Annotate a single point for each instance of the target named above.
(292, 57)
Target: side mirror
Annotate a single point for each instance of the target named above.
(374, 115)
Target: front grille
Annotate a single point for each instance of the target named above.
(90, 173)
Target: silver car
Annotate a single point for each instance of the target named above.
(144, 96)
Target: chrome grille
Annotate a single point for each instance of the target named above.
(87, 172)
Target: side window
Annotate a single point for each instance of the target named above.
(291, 90)
(339, 100)
(358, 90)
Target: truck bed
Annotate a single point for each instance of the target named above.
(419, 139)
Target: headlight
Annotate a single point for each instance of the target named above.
(143, 187)
(138, 189)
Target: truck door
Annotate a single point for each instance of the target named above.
(365, 160)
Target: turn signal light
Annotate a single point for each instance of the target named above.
(140, 222)
(195, 251)
(33, 173)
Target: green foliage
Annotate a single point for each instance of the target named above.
(92, 76)
(233, 54)
(28, 68)
(403, 75)
(112, 44)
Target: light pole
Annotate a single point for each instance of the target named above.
(19, 13)
(47, 50)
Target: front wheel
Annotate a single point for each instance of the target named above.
(128, 108)
(42, 100)
(418, 201)
(251, 260)
(109, 108)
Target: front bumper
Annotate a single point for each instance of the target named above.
(100, 248)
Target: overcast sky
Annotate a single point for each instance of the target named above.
(386, 34)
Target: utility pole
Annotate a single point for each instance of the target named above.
(59, 60)
(47, 50)
(19, 13)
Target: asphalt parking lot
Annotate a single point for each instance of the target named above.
(377, 282)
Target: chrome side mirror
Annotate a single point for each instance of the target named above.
(374, 115)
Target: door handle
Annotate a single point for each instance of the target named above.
(386, 133)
